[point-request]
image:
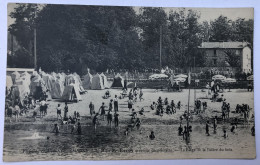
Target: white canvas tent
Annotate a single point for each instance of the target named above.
(104, 80)
(118, 81)
(48, 81)
(15, 75)
(87, 81)
(97, 82)
(57, 88)
(74, 79)
(9, 82)
(71, 93)
(36, 82)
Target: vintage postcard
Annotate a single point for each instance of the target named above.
(110, 83)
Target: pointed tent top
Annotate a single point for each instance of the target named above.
(118, 75)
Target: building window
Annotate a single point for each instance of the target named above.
(215, 52)
(214, 61)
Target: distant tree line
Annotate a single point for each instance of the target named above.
(72, 37)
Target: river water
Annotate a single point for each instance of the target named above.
(109, 143)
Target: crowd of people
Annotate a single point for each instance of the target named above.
(109, 112)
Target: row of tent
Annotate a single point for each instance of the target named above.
(58, 85)
(99, 81)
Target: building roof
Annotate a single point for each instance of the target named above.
(223, 45)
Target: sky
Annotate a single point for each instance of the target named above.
(206, 14)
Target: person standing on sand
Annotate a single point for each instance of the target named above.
(110, 105)
(59, 112)
(42, 106)
(116, 103)
(141, 94)
(102, 110)
(130, 104)
(66, 110)
(173, 107)
(17, 112)
(91, 108)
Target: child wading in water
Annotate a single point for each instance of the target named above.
(151, 136)
(79, 128)
(225, 134)
(56, 128)
(116, 120)
(109, 118)
(207, 128)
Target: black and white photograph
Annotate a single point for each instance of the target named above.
(93, 82)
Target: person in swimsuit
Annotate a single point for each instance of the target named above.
(109, 118)
(102, 110)
(207, 128)
(110, 105)
(116, 103)
(79, 128)
(66, 110)
(95, 121)
(116, 119)
(91, 109)
(59, 112)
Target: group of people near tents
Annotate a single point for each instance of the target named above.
(28, 90)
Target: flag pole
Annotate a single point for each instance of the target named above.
(188, 114)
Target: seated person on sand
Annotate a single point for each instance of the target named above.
(153, 106)
(141, 112)
(124, 93)
(168, 109)
(126, 131)
(134, 115)
(107, 94)
(138, 123)
(71, 120)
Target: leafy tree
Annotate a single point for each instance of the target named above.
(22, 29)
(185, 39)
(221, 29)
(151, 21)
(232, 58)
